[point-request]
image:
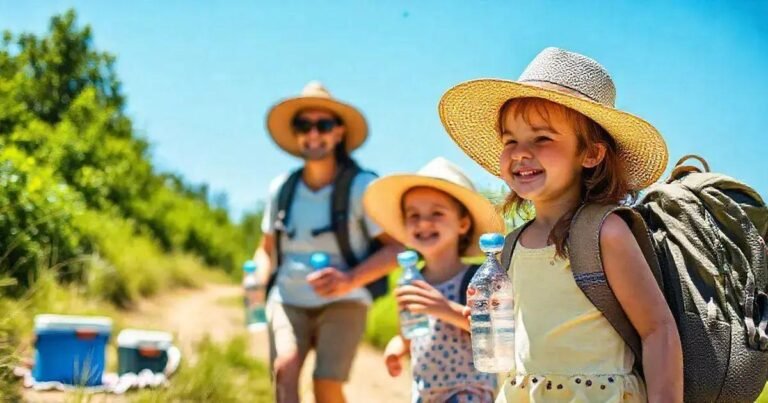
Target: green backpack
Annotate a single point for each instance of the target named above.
(703, 235)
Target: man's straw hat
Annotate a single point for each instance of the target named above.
(314, 96)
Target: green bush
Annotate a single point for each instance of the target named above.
(67, 146)
(184, 223)
(125, 266)
(35, 219)
(10, 339)
(383, 321)
(85, 217)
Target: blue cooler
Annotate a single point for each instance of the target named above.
(138, 350)
(70, 349)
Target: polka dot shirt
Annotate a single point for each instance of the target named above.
(442, 360)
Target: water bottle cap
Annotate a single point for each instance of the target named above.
(491, 242)
(249, 266)
(407, 258)
(319, 260)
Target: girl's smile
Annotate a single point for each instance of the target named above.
(540, 159)
(433, 221)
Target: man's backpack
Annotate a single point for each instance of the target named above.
(703, 235)
(338, 222)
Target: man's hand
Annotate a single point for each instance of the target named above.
(256, 295)
(331, 282)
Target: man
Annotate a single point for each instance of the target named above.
(319, 209)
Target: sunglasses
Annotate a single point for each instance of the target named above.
(304, 126)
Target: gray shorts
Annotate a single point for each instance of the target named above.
(334, 331)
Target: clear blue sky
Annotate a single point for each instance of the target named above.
(200, 75)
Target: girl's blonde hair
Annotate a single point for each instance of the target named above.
(605, 183)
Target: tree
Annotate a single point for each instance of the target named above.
(66, 146)
(61, 65)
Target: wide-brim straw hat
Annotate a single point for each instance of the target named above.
(470, 112)
(314, 96)
(383, 200)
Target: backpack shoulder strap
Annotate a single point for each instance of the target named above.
(587, 266)
(285, 197)
(509, 246)
(363, 225)
(340, 202)
(471, 270)
(340, 211)
(284, 200)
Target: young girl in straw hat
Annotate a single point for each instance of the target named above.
(438, 213)
(556, 139)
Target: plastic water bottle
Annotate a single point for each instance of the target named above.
(502, 315)
(492, 320)
(412, 325)
(255, 314)
(319, 260)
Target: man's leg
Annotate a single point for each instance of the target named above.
(327, 391)
(340, 327)
(289, 340)
(286, 377)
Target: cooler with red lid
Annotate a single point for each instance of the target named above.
(70, 349)
(138, 350)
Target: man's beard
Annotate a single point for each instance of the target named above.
(314, 154)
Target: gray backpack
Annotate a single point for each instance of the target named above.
(338, 219)
(703, 236)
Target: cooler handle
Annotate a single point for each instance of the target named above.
(174, 358)
(149, 351)
(86, 333)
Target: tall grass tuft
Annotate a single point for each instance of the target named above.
(220, 373)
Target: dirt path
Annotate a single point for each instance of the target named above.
(192, 314)
(213, 310)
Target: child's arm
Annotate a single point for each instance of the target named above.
(421, 297)
(397, 347)
(636, 290)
